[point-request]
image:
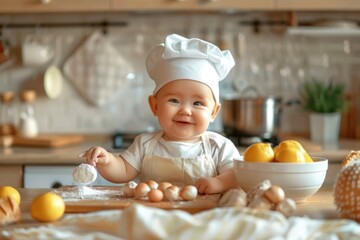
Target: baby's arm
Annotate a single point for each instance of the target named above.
(218, 184)
(112, 168)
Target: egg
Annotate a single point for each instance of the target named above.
(155, 195)
(172, 193)
(141, 190)
(128, 188)
(274, 194)
(164, 185)
(152, 184)
(188, 192)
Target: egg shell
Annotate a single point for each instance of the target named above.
(172, 193)
(275, 194)
(164, 185)
(155, 195)
(152, 184)
(261, 203)
(141, 190)
(287, 207)
(188, 192)
(128, 188)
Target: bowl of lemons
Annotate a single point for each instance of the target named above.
(288, 165)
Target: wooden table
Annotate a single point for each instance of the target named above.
(319, 206)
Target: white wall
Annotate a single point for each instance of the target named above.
(128, 111)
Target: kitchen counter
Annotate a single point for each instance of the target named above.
(21, 155)
(318, 206)
(68, 154)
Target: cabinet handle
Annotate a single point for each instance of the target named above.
(45, 1)
(56, 185)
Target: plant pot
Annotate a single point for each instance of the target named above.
(325, 128)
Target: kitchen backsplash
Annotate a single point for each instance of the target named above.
(272, 62)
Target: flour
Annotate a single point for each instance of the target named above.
(74, 193)
(84, 174)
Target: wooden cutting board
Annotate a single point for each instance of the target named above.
(47, 140)
(117, 201)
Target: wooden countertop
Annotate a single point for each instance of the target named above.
(318, 206)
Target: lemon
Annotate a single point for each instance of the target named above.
(8, 191)
(290, 154)
(259, 152)
(47, 207)
(292, 144)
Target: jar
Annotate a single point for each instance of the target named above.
(28, 126)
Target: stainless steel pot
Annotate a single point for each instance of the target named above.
(252, 116)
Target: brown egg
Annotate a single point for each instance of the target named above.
(152, 184)
(188, 192)
(164, 185)
(287, 207)
(155, 195)
(128, 188)
(172, 193)
(141, 190)
(274, 194)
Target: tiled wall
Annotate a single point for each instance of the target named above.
(274, 62)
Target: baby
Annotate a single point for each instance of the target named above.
(185, 101)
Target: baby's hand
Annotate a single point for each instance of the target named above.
(96, 156)
(210, 185)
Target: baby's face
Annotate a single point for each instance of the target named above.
(184, 109)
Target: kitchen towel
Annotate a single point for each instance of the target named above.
(142, 222)
(97, 70)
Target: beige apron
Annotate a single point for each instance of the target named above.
(177, 171)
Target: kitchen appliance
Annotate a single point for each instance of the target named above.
(247, 120)
(123, 140)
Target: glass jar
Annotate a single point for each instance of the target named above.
(28, 126)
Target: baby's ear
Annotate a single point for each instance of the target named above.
(215, 111)
(153, 104)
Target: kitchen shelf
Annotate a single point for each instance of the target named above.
(323, 31)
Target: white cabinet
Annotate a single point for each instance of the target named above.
(53, 176)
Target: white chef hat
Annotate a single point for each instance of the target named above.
(193, 59)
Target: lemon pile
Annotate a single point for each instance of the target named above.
(290, 151)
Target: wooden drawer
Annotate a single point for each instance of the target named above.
(11, 175)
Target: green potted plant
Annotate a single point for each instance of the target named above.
(325, 100)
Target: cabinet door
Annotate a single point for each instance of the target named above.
(191, 5)
(11, 176)
(318, 5)
(33, 6)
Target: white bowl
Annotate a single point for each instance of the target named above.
(299, 180)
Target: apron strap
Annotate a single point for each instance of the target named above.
(206, 142)
(152, 144)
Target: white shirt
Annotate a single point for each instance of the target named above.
(223, 151)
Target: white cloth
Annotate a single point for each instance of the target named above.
(141, 222)
(177, 170)
(193, 59)
(223, 151)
